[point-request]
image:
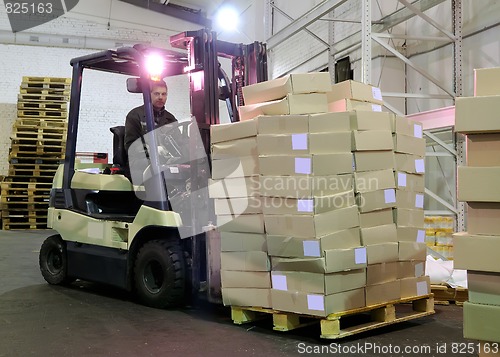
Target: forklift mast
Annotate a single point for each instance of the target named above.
(249, 66)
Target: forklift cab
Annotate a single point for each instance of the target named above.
(146, 234)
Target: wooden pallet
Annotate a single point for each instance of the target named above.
(42, 105)
(45, 85)
(23, 124)
(32, 113)
(43, 153)
(44, 91)
(345, 323)
(8, 224)
(30, 79)
(444, 295)
(35, 97)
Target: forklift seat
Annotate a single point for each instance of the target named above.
(120, 155)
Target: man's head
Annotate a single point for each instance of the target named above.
(159, 93)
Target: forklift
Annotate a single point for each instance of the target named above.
(152, 237)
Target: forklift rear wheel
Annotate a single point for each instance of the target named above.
(53, 261)
(160, 274)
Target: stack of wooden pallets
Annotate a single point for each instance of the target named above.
(38, 146)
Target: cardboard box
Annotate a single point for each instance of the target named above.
(379, 234)
(376, 218)
(374, 160)
(246, 297)
(409, 199)
(409, 145)
(374, 180)
(297, 83)
(478, 184)
(232, 131)
(242, 242)
(411, 234)
(329, 122)
(383, 293)
(371, 121)
(234, 148)
(335, 260)
(318, 165)
(482, 218)
(483, 149)
(245, 261)
(376, 200)
(408, 217)
(484, 287)
(316, 304)
(476, 252)
(382, 253)
(318, 283)
(355, 90)
(293, 247)
(305, 186)
(482, 322)
(477, 114)
(291, 104)
(303, 226)
(307, 206)
(249, 223)
(371, 140)
(347, 105)
(235, 167)
(282, 124)
(405, 126)
(412, 251)
(234, 187)
(412, 164)
(245, 279)
(381, 273)
(238, 206)
(409, 182)
(411, 287)
(411, 269)
(486, 81)
(304, 143)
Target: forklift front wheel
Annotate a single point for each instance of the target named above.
(53, 261)
(160, 274)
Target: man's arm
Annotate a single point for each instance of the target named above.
(133, 127)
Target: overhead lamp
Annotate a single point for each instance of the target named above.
(227, 18)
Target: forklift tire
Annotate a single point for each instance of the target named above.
(53, 261)
(159, 274)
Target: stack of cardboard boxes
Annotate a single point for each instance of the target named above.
(234, 187)
(327, 192)
(478, 184)
(409, 148)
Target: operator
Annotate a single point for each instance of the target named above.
(135, 126)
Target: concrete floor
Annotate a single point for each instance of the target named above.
(87, 319)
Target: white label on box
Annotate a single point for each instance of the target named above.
(174, 170)
(390, 195)
(401, 179)
(420, 166)
(360, 255)
(421, 236)
(279, 282)
(422, 288)
(315, 302)
(299, 141)
(419, 200)
(303, 165)
(311, 248)
(417, 131)
(376, 108)
(376, 93)
(419, 270)
(305, 205)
